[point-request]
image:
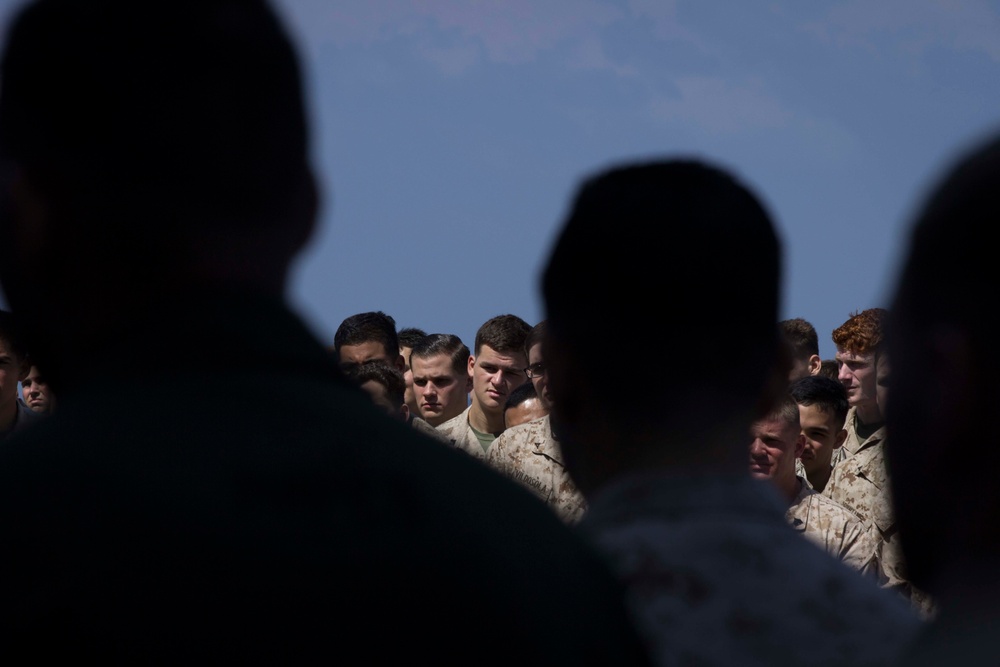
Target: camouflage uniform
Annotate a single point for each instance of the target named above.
(861, 484)
(853, 443)
(529, 454)
(715, 576)
(835, 529)
(459, 433)
(425, 428)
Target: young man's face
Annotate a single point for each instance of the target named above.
(494, 375)
(857, 374)
(11, 372)
(776, 444)
(822, 434)
(440, 392)
(36, 392)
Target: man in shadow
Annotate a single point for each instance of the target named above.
(941, 338)
(241, 501)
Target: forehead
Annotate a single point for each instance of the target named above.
(364, 351)
(487, 355)
(814, 415)
(436, 364)
(845, 356)
(535, 353)
(775, 428)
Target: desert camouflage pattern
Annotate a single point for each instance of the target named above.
(854, 443)
(530, 455)
(716, 576)
(800, 472)
(861, 484)
(424, 427)
(835, 529)
(459, 433)
(857, 483)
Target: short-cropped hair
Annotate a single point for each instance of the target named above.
(503, 333)
(376, 370)
(439, 343)
(374, 326)
(801, 337)
(827, 394)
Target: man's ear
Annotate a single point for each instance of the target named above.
(814, 364)
(800, 444)
(400, 363)
(404, 412)
(841, 437)
(472, 365)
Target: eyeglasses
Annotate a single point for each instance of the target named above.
(535, 370)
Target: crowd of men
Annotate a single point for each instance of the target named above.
(259, 496)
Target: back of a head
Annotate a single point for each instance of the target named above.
(151, 151)
(680, 248)
(801, 336)
(519, 395)
(186, 112)
(503, 333)
(941, 335)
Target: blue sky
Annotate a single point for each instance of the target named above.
(450, 135)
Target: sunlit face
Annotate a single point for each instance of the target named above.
(494, 376)
(527, 411)
(822, 434)
(440, 391)
(36, 392)
(539, 376)
(11, 372)
(775, 446)
(355, 355)
(857, 373)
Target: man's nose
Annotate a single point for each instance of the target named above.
(757, 448)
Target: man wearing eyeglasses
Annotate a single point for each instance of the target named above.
(530, 453)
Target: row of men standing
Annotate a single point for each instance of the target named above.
(821, 446)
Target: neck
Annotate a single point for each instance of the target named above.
(789, 487)
(869, 413)
(483, 421)
(820, 477)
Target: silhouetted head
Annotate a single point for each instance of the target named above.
(679, 248)
(942, 340)
(147, 149)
